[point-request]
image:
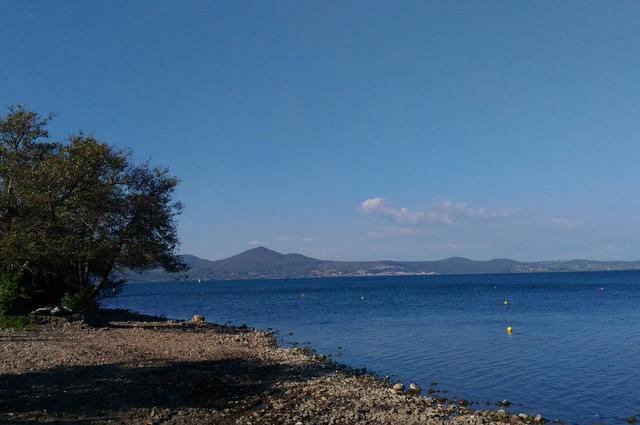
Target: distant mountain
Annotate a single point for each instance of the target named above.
(263, 263)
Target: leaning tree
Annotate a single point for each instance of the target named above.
(73, 213)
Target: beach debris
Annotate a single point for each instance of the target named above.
(414, 389)
(509, 329)
(198, 320)
(55, 311)
(631, 419)
(398, 388)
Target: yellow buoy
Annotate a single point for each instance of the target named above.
(509, 329)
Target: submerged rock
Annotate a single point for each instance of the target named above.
(631, 419)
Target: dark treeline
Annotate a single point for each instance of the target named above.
(72, 213)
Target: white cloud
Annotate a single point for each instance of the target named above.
(444, 212)
(254, 243)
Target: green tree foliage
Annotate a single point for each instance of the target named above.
(72, 213)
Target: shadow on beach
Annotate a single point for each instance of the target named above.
(95, 390)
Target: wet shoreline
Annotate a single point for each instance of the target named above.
(143, 369)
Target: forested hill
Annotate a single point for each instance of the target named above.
(263, 263)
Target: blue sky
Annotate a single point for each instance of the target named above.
(357, 130)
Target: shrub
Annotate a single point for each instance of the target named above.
(80, 302)
(16, 322)
(14, 298)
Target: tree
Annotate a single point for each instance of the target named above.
(73, 213)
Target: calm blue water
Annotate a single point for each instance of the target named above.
(574, 353)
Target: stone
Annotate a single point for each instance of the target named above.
(505, 402)
(398, 388)
(56, 311)
(414, 389)
(523, 415)
(631, 419)
(42, 311)
(538, 419)
(198, 320)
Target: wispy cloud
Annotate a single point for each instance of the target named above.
(255, 243)
(568, 223)
(443, 212)
(306, 239)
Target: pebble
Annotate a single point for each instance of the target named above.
(334, 396)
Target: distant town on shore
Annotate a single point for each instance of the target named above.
(264, 263)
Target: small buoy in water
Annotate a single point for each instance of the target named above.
(509, 329)
(362, 298)
(506, 302)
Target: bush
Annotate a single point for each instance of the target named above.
(80, 302)
(14, 298)
(16, 322)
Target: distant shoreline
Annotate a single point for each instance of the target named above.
(263, 263)
(236, 279)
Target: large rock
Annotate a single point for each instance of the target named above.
(57, 311)
(414, 389)
(398, 388)
(198, 320)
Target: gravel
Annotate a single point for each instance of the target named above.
(145, 370)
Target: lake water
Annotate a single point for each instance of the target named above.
(574, 352)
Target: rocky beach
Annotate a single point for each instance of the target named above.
(138, 369)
